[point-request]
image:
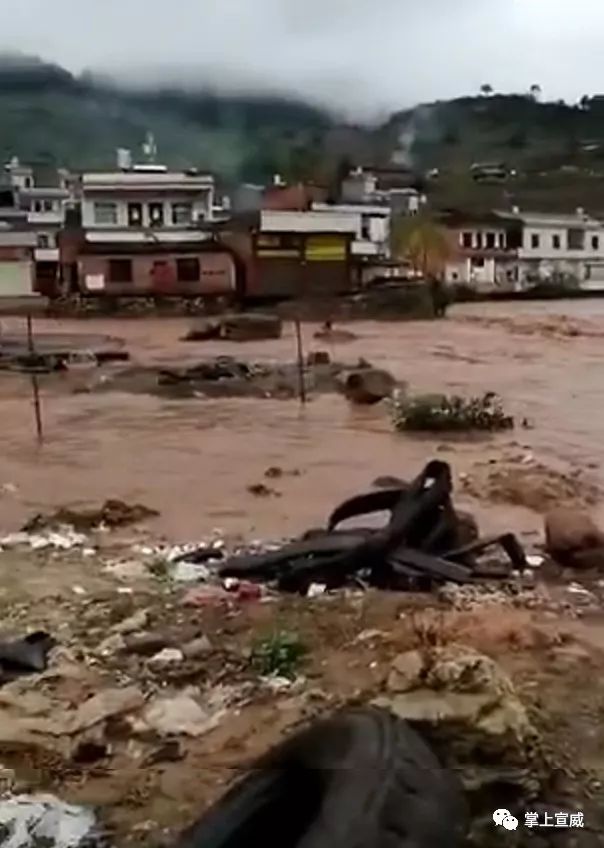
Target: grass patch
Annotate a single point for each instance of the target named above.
(280, 655)
(443, 413)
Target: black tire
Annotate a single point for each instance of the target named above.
(362, 779)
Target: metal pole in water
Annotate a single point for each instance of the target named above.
(301, 385)
(34, 382)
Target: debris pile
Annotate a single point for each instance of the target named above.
(242, 327)
(424, 543)
(112, 514)
(442, 413)
(27, 821)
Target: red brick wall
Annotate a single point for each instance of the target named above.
(155, 274)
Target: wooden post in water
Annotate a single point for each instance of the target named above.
(301, 385)
(34, 382)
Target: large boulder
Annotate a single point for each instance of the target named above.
(467, 707)
(368, 385)
(458, 687)
(573, 538)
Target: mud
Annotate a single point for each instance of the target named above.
(193, 460)
(196, 457)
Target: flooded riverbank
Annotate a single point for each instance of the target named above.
(193, 460)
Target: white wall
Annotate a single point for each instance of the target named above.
(310, 222)
(202, 206)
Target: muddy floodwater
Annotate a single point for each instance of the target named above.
(194, 459)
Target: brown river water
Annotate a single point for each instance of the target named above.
(193, 460)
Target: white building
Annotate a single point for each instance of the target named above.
(42, 194)
(371, 226)
(482, 252)
(561, 248)
(147, 197)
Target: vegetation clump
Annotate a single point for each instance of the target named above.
(438, 413)
(278, 655)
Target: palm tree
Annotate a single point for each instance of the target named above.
(424, 243)
(486, 90)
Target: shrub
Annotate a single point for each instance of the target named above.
(444, 413)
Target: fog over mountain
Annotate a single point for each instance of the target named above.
(357, 57)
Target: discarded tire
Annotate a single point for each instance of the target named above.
(362, 778)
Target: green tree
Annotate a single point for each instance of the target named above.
(424, 243)
(486, 90)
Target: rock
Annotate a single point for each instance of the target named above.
(180, 715)
(466, 699)
(369, 386)
(406, 671)
(166, 658)
(134, 623)
(109, 703)
(570, 533)
(197, 648)
(112, 645)
(131, 569)
(146, 644)
(590, 560)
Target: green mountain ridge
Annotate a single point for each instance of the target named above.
(555, 149)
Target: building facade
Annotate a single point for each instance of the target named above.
(146, 197)
(560, 249)
(483, 251)
(145, 231)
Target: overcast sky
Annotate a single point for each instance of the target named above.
(360, 55)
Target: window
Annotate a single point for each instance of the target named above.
(29, 183)
(556, 242)
(478, 262)
(467, 240)
(535, 241)
(490, 241)
(576, 239)
(366, 229)
(135, 215)
(120, 270)
(105, 213)
(37, 206)
(47, 205)
(187, 270)
(479, 240)
(182, 213)
(156, 214)
(44, 240)
(595, 242)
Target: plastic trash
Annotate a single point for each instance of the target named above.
(27, 821)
